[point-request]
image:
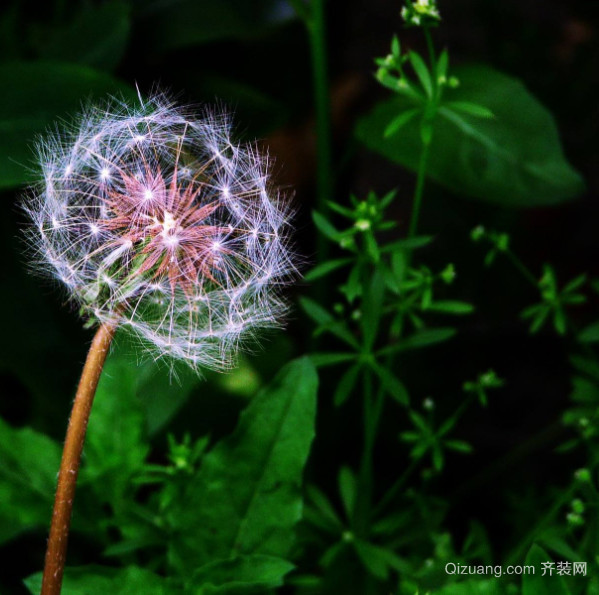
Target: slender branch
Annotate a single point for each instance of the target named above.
(71, 457)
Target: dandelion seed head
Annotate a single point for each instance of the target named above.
(153, 217)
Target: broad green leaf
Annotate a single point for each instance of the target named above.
(174, 25)
(246, 498)
(100, 580)
(514, 159)
(537, 584)
(242, 574)
(28, 472)
(116, 445)
(95, 36)
(35, 94)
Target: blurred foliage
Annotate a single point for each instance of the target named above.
(421, 454)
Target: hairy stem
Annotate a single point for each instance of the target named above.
(71, 457)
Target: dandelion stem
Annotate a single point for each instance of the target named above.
(71, 457)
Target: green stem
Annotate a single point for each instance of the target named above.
(324, 178)
(526, 273)
(418, 192)
(426, 138)
(363, 503)
(431, 53)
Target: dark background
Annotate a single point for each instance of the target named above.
(553, 46)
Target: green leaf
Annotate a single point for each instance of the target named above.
(242, 574)
(400, 121)
(370, 556)
(325, 268)
(442, 65)
(575, 283)
(372, 309)
(347, 490)
(323, 225)
(451, 307)
(328, 517)
(392, 384)
(100, 580)
(346, 384)
(537, 584)
(407, 244)
(321, 360)
(422, 72)
(96, 36)
(420, 339)
(116, 444)
(34, 95)
(246, 497)
(473, 109)
(28, 471)
(590, 334)
(514, 159)
(459, 446)
(317, 313)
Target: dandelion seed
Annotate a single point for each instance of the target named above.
(152, 234)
